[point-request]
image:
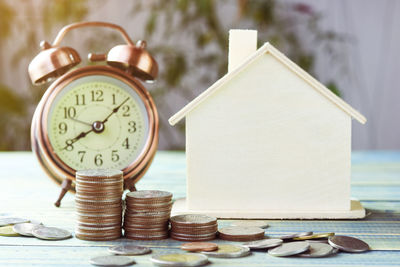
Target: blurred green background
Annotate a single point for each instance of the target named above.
(188, 39)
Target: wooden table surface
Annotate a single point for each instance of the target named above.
(25, 191)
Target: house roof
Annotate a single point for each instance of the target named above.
(268, 48)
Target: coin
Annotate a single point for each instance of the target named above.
(25, 229)
(149, 195)
(129, 250)
(263, 243)
(289, 249)
(228, 251)
(250, 223)
(318, 250)
(112, 260)
(291, 236)
(314, 236)
(239, 233)
(107, 173)
(7, 231)
(12, 221)
(50, 233)
(199, 246)
(348, 243)
(179, 259)
(193, 220)
(192, 239)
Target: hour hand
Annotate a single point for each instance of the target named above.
(83, 122)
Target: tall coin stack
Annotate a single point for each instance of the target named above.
(98, 201)
(193, 227)
(147, 214)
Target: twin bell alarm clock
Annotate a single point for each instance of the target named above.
(94, 117)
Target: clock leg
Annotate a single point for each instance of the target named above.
(65, 186)
(129, 185)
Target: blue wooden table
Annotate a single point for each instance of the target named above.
(26, 192)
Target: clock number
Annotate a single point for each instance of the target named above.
(98, 160)
(113, 98)
(81, 154)
(126, 143)
(132, 128)
(69, 146)
(69, 112)
(62, 127)
(97, 96)
(126, 109)
(80, 100)
(114, 156)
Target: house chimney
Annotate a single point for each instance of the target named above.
(242, 43)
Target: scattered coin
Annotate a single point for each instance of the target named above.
(314, 236)
(348, 243)
(12, 221)
(318, 250)
(251, 223)
(289, 249)
(241, 233)
(263, 243)
(7, 231)
(129, 250)
(228, 251)
(179, 259)
(291, 236)
(50, 233)
(199, 246)
(112, 260)
(25, 229)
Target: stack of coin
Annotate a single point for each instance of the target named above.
(241, 233)
(193, 227)
(98, 203)
(147, 214)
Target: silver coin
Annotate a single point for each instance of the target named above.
(348, 243)
(289, 249)
(250, 223)
(193, 219)
(12, 221)
(228, 251)
(25, 229)
(318, 250)
(263, 243)
(50, 233)
(180, 259)
(106, 173)
(146, 194)
(112, 260)
(129, 250)
(291, 236)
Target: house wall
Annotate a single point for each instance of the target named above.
(268, 141)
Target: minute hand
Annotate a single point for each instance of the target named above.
(115, 110)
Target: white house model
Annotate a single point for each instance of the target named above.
(267, 140)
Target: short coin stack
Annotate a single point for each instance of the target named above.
(147, 214)
(193, 227)
(98, 203)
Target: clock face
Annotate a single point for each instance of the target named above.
(97, 121)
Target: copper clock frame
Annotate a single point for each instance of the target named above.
(48, 158)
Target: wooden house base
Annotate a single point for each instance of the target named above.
(356, 212)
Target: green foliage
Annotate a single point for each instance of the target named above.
(7, 15)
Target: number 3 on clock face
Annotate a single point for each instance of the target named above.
(97, 121)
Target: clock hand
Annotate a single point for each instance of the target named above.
(115, 110)
(83, 122)
(69, 142)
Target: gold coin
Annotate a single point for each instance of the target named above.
(314, 236)
(8, 231)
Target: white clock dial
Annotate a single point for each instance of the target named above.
(97, 122)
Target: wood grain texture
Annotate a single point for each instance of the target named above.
(25, 191)
(266, 141)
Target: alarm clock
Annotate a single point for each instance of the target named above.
(95, 116)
